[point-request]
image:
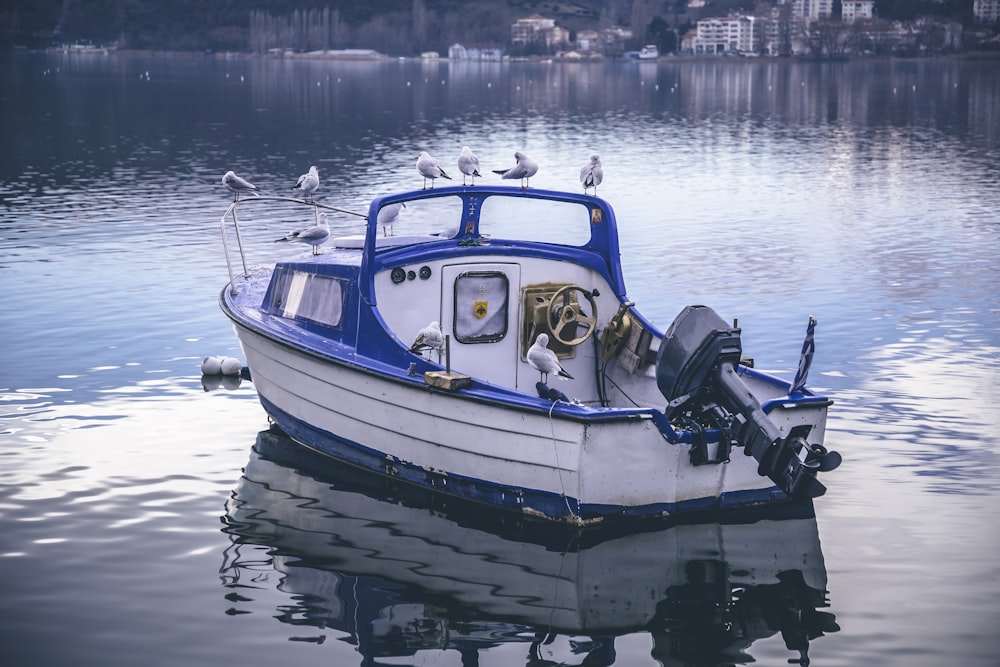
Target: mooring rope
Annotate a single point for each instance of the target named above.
(555, 449)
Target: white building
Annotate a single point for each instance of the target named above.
(986, 10)
(615, 38)
(716, 35)
(459, 52)
(588, 40)
(536, 29)
(856, 10)
(732, 34)
(812, 10)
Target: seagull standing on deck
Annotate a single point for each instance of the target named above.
(236, 185)
(524, 169)
(592, 174)
(389, 214)
(430, 168)
(544, 360)
(314, 236)
(468, 164)
(308, 183)
(428, 338)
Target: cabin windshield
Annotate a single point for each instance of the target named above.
(503, 217)
(523, 219)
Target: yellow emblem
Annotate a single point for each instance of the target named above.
(595, 216)
(481, 309)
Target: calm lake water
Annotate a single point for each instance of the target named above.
(141, 515)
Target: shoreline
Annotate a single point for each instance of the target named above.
(367, 55)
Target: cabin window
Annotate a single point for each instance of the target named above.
(302, 295)
(481, 307)
(437, 217)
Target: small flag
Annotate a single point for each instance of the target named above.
(805, 361)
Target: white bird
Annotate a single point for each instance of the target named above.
(544, 360)
(428, 338)
(430, 168)
(524, 169)
(468, 164)
(592, 174)
(211, 366)
(236, 185)
(388, 215)
(308, 183)
(314, 236)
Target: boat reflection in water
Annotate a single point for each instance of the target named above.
(400, 575)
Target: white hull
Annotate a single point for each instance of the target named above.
(539, 461)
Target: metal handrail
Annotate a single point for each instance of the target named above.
(236, 225)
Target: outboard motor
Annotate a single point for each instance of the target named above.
(696, 372)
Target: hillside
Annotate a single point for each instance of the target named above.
(397, 27)
(394, 27)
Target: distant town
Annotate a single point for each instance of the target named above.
(789, 28)
(641, 30)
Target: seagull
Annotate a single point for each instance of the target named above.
(592, 174)
(236, 185)
(388, 215)
(523, 170)
(468, 164)
(544, 360)
(314, 236)
(428, 338)
(308, 183)
(430, 168)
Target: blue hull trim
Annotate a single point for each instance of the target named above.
(531, 502)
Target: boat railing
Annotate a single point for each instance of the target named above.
(231, 212)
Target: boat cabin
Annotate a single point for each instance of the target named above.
(495, 268)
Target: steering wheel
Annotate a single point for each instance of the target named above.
(565, 318)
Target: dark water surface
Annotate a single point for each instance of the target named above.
(144, 516)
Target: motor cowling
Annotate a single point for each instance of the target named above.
(696, 372)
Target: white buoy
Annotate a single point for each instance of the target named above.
(230, 366)
(211, 366)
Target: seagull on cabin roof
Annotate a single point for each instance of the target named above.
(387, 215)
(544, 360)
(314, 236)
(236, 185)
(522, 170)
(430, 168)
(468, 164)
(592, 174)
(308, 183)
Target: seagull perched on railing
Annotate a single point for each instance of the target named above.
(524, 169)
(428, 338)
(389, 214)
(544, 360)
(468, 164)
(430, 168)
(308, 183)
(236, 185)
(592, 174)
(314, 236)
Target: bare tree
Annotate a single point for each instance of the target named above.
(828, 39)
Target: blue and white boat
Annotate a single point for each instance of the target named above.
(652, 423)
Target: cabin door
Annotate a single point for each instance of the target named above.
(479, 310)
